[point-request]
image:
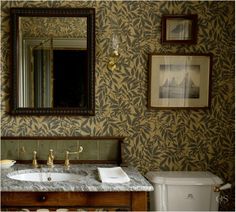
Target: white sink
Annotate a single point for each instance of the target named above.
(43, 176)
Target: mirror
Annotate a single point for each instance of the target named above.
(53, 60)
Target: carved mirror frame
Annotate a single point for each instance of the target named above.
(89, 13)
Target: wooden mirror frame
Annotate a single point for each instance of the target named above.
(89, 13)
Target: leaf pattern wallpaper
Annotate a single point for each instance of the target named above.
(176, 139)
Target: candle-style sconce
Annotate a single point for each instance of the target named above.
(114, 55)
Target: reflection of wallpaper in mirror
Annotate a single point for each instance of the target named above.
(53, 27)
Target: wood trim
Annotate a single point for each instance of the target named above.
(120, 139)
(56, 162)
(139, 201)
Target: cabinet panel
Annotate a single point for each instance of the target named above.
(65, 198)
(123, 200)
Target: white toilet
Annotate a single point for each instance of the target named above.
(184, 191)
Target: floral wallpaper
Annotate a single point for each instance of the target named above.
(174, 139)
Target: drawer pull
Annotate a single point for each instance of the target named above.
(42, 199)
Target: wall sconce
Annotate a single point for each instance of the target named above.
(114, 55)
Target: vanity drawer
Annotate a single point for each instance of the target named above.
(86, 199)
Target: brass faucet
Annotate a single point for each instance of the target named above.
(67, 161)
(50, 158)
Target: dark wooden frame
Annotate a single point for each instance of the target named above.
(150, 106)
(192, 18)
(89, 13)
(120, 141)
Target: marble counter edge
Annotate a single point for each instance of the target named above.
(88, 183)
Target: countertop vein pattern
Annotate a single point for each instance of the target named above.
(88, 180)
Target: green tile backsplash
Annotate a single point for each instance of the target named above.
(10, 149)
(66, 145)
(108, 150)
(92, 149)
(26, 149)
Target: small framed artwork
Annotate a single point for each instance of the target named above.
(179, 29)
(179, 81)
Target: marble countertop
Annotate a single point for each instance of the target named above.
(88, 181)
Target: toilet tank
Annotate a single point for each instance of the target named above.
(183, 191)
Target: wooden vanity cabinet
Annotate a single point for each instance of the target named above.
(111, 201)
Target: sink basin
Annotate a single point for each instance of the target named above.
(43, 176)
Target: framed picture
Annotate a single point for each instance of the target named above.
(179, 81)
(179, 29)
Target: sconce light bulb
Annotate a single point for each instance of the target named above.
(115, 42)
(116, 53)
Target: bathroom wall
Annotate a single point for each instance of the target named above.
(175, 139)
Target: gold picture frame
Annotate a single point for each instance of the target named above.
(179, 81)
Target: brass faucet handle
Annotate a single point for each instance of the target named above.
(80, 149)
(34, 162)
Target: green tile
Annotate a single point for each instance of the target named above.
(3, 149)
(108, 150)
(66, 145)
(43, 148)
(26, 148)
(10, 149)
(90, 150)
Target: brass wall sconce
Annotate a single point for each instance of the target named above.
(114, 55)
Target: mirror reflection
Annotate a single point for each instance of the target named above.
(54, 57)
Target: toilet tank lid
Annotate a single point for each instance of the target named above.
(183, 178)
